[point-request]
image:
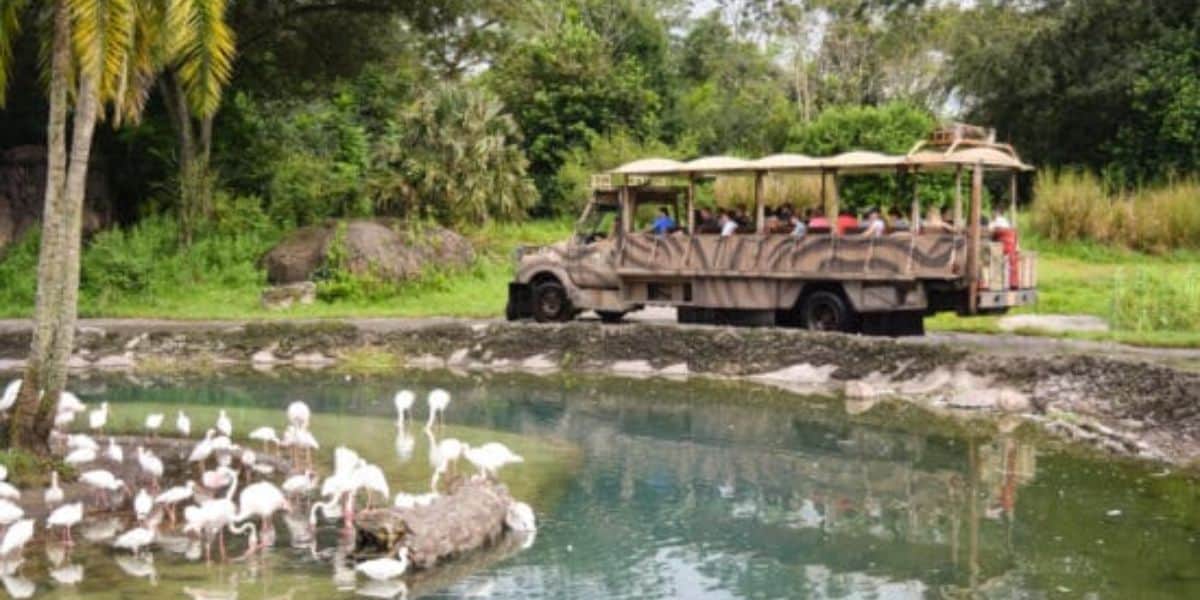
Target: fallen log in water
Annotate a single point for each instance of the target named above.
(468, 518)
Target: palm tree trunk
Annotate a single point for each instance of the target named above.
(22, 432)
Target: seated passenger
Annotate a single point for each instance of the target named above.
(706, 223)
(663, 224)
(999, 221)
(934, 223)
(817, 220)
(846, 221)
(875, 226)
(729, 225)
(799, 229)
(898, 222)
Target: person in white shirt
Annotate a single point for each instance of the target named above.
(999, 221)
(875, 225)
(728, 225)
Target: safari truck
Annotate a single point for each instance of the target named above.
(831, 277)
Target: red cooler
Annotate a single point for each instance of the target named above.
(1008, 237)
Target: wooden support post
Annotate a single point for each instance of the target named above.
(691, 205)
(824, 200)
(973, 239)
(958, 212)
(915, 228)
(835, 201)
(1012, 193)
(760, 209)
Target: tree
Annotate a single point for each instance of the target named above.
(109, 53)
(454, 157)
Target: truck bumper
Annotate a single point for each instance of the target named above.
(1006, 298)
(520, 301)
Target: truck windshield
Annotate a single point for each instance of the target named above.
(597, 222)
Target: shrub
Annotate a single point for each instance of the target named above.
(1144, 300)
(602, 153)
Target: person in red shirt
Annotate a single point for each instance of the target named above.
(817, 220)
(846, 221)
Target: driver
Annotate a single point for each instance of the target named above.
(663, 224)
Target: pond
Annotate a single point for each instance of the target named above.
(704, 489)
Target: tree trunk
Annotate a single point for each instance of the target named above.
(24, 426)
(195, 148)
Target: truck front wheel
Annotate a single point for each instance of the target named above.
(550, 303)
(824, 310)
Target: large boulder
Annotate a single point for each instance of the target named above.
(384, 248)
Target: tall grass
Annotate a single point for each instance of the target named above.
(1074, 206)
(1144, 300)
(801, 191)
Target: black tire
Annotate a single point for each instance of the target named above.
(824, 310)
(610, 316)
(550, 303)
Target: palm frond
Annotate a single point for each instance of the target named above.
(143, 60)
(206, 54)
(10, 26)
(102, 34)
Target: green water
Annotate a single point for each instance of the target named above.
(649, 489)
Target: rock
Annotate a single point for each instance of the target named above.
(116, 361)
(1009, 400)
(266, 356)
(675, 370)
(458, 357)
(973, 398)
(858, 390)
(539, 362)
(78, 362)
(285, 296)
(426, 361)
(632, 367)
(383, 248)
(800, 374)
(312, 359)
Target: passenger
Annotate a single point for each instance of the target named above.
(742, 217)
(898, 222)
(785, 213)
(875, 225)
(817, 220)
(846, 221)
(663, 224)
(999, 221)
(934, 221)
(799, 229)
(706, 223)
(729, 225)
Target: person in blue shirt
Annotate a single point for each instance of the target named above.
(663, 224)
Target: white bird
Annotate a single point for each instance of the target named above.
(203, 449)
(264, 435)
(150, 464)
(134, 540)
(81, 441)
(520, 517)
(491, 457)
(3, 472)
(9, 492)
(54, 494)
(404, 402)
(66, 516)
(9, 513)
(439, 399)
(183, 424)
(262, 500)
(99, 417)
(114, 452)
(446, 453)
(175, 495)
(153, 422)
(405, 500)
(16, 537)
(142, 505)
(217, 478)
(300, 484)
(67, 574)
(213, 516)
(10, 394)
(222, 444)
(298, 414)
(223, 424)
(101, 481)
(63, 419)
(81, 456)
(385, 568)
(19, 587)
(370, 477)
(68, 402)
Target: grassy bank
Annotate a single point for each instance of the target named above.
(1151, 299)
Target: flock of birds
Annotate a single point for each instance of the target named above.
(209, 507)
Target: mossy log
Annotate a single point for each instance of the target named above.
(468, 518)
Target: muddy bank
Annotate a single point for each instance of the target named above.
(1126, 406)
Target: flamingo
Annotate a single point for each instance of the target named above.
(9, 513)
(175, 495)
(519, 517)
(10, 394)
(203, 449)
(16, 537)
(300, 484)
(9, 492)
(67, 574)
(217, 478)
(213, 516)
(404, 500)
(404, 401)
(151, 465)
(447, 453)
(298, 414)
(53, 494)
(81, 441)
(183, 424)
(153, 422)
(264, 435)
(66, 517)
(223, 424)
(370, 478)
(134, 540)
(381, 569)
(339, 488)
(3, 472)
(490, 457)
(142, 504)
(114, 452)
(305, 440)
(261, 500)
(439, 399)
(102, 482)
(79, 457)
(98, 418)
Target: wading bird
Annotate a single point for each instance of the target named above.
(9, 513)
(261, 500)
(404, 402)
(224, 425)
(53, 495)
(142, 504)
(171, 497)
(151, 465)
(114, 452)
(183, 424)
(444, 455)
(439, 399)
(9, 491)
(66, 517)
(298, 415)
(134, 540)
(385, 568)
(264, 435)
(16, 537)
(102, 482)
(370, 477)
(82, 456)
(98, 418)
(491, 457)
(153, 422)
(10, 394)
(520, 517)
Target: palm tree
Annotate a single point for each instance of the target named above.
(110, 52)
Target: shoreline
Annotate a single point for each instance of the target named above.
(1127, 403)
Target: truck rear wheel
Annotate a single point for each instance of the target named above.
(824, 310)
(550, 303)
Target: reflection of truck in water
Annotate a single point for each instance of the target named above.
(830, 278)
